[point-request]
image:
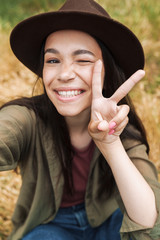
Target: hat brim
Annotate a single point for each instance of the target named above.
(28, 36)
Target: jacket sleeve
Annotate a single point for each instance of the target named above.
(129, 229)
(16, 125)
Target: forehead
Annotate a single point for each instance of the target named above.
(71, 38)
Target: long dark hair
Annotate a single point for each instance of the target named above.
(45, 110)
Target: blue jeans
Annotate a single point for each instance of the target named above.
(71, 224)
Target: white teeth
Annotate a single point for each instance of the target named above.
(69, 93)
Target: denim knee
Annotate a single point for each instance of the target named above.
(49, 232)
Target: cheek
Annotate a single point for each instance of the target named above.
(47, 77)
(85, 73)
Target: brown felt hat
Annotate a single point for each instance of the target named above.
(85, 15)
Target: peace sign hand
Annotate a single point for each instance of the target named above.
(107, 118)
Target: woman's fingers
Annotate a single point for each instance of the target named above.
(103, 126)
(96, 90)
(117, 124)
(122, 125)
(120, 120)
(119, 128)
(97, 80)
(98, 126)
(126, 87)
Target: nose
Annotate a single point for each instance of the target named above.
(66, 72)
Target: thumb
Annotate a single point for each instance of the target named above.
(97, 126)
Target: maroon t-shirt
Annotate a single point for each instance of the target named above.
(80, 171)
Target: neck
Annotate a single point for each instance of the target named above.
(78, 129)
(78, 123)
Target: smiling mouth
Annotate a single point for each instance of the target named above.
(69, 94)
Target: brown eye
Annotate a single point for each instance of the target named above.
(53, 61)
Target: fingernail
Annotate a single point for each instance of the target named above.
(112, 125)
(142, 71)
(111, 132)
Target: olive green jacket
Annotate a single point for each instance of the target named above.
(25, 141)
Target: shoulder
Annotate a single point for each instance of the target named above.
(17, 114)
(134, 147)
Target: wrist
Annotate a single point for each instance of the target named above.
(113, 151)
(109, 145)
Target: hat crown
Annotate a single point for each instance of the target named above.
(86, 6)
(88, 16)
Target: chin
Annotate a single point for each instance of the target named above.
(68, 114)
(73, 112)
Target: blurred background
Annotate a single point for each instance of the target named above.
(142, 17)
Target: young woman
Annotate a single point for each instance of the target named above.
(80, 146)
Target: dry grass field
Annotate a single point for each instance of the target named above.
(143, 17)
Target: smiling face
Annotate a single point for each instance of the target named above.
(67, 72)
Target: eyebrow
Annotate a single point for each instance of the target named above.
(51, 50)
(75, 53)
(82, 51)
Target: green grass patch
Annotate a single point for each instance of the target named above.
(13, 11)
